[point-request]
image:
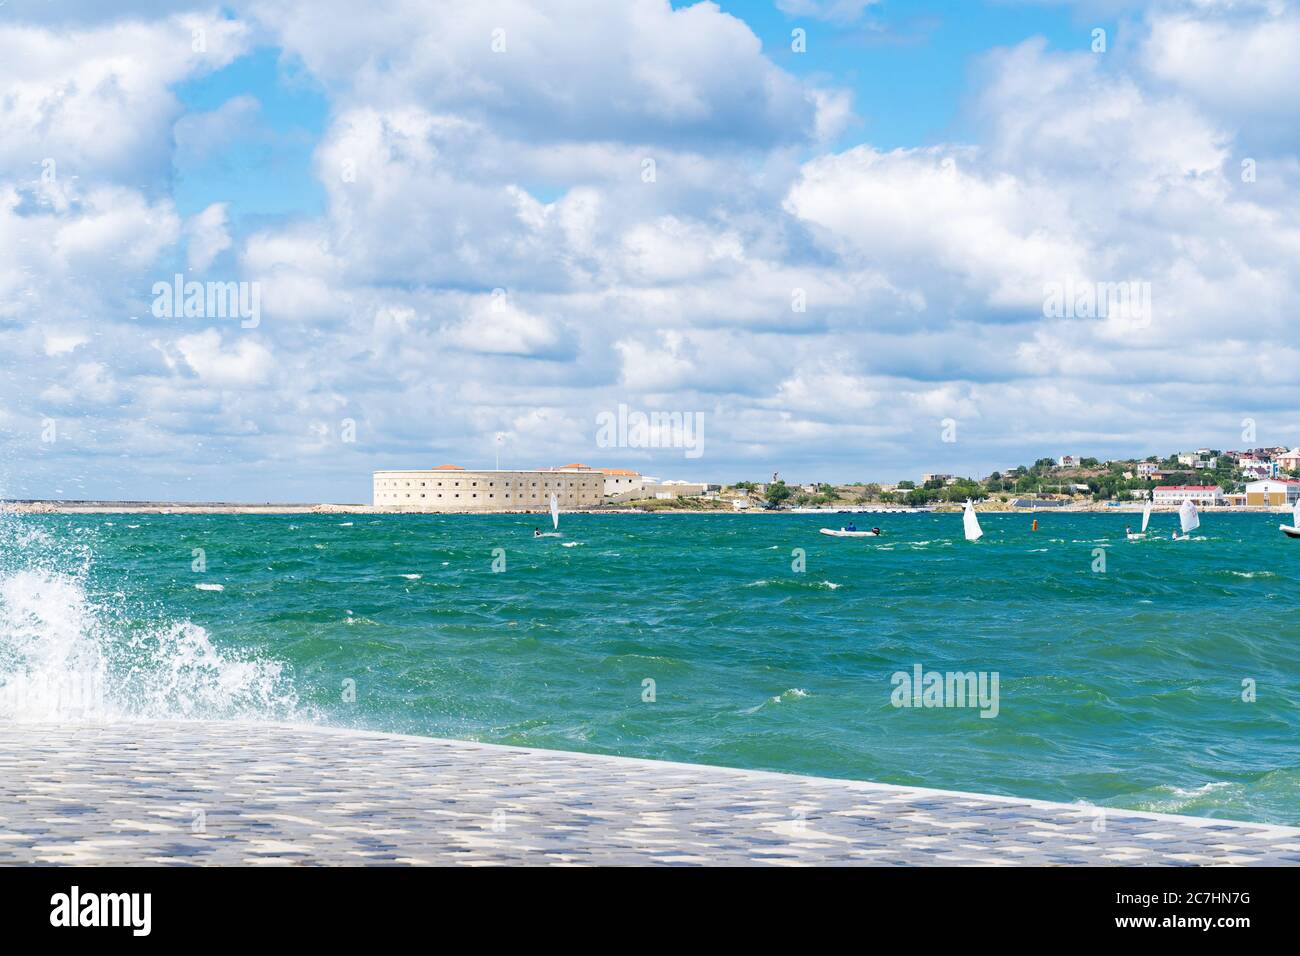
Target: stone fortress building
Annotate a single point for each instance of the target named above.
(452, 488)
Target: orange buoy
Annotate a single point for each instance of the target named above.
(1035, 528)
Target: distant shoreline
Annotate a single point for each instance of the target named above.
(49, 506)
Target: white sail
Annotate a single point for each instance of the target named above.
(555, 512)
(1295, 515)
(1188, 517)
(971, 524)
(1146, 517)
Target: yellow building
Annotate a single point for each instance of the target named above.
(1272, 491)
(452, 488)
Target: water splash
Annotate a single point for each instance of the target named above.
(68, 653)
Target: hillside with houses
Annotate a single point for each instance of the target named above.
(1252, 478)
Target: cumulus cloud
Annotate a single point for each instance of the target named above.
(97, 100)
(494, 253)
(636, 72)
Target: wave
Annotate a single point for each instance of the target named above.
(68, 654)
(794, 693)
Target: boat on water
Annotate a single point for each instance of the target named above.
(1146, 520)
(555, 521)
(1189, 519)
(851, 532)
(970, 523)
(1292, 530)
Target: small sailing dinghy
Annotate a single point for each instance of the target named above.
(851, 533)
(555, 521)
(1292, 530)
(1146, 520)
(971, 524)
(1188, 518)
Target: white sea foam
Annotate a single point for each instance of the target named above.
(70, 654)
(794, 693)
(210, 587)
(411, 577)
(1201, 790)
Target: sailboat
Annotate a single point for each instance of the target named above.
(1292, 530)
(555, 521)
(1146, 520)
(1188, 518)
(971, 524)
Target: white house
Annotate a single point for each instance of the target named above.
(1147, 468)
(1253, 468)
(1203, 495)
(1068, 461)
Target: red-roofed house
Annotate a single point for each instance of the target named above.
(1176, 494)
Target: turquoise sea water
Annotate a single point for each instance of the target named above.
(1120, 687)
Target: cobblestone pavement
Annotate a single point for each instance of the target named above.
(264, 794)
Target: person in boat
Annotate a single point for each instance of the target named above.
(851, 527)
(1128, 530)
(537, 532)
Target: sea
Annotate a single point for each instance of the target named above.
(1155, 674)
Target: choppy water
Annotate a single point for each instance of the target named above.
(1121, 687)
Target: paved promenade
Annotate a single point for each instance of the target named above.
(266, 795)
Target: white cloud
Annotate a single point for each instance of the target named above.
(1239, 65)
(634, 72)
(498, 326)
(245, 363)
(96, 100)
(449, 171)
(208, 236)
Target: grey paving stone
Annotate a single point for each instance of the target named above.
(276, 795)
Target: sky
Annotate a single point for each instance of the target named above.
(846, 239)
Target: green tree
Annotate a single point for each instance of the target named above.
(777, 492)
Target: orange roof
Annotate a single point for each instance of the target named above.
(562, 467)
(618, 471)
(449, 468)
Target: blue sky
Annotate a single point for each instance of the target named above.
(502, 218)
